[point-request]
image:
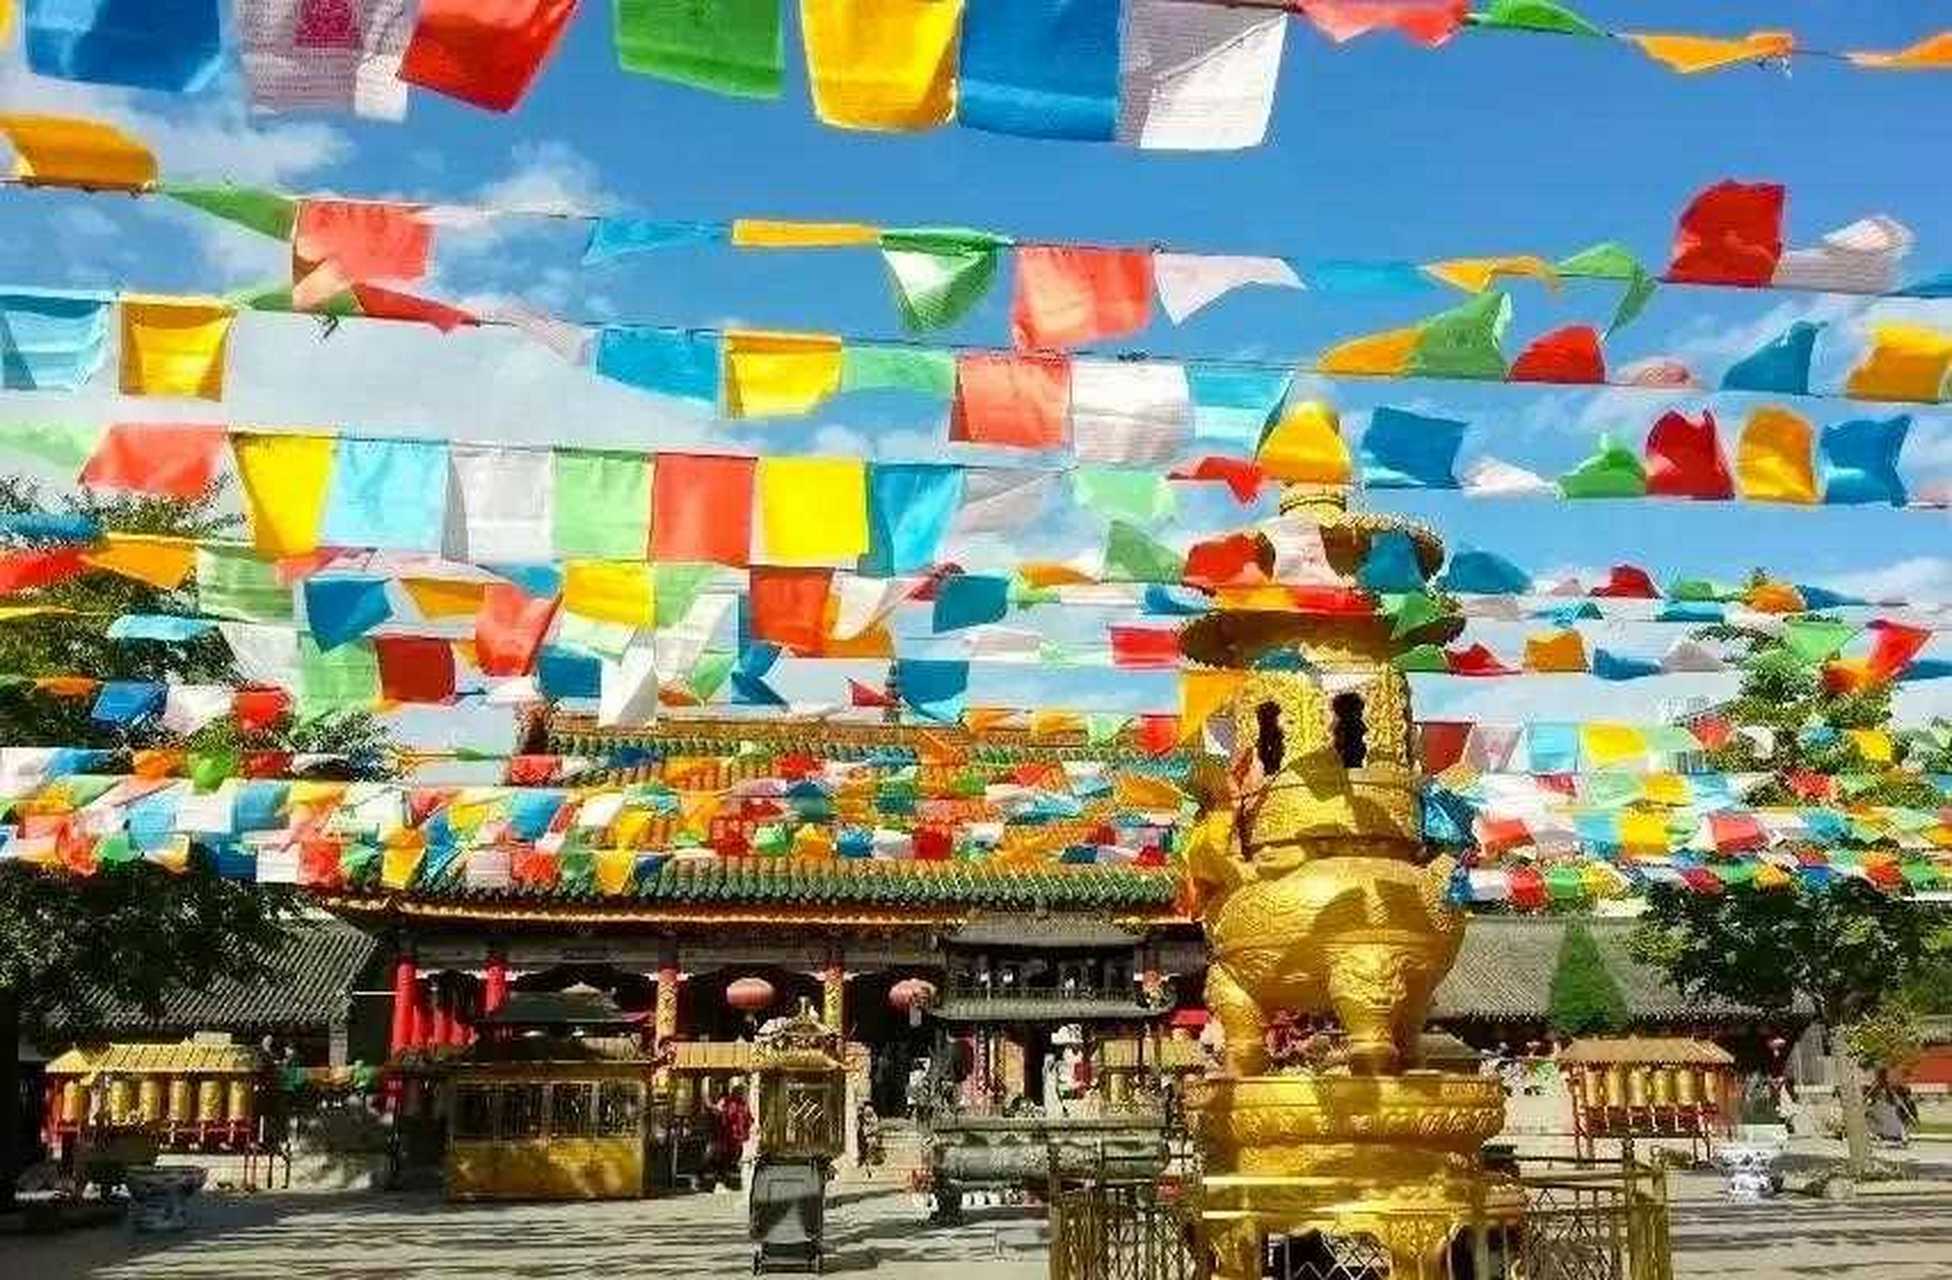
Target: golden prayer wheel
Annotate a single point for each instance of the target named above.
(1616, 1085)
(149, 1100)
(1594, 1080)
(182, 1107)
(1686, 1090)
(1637, 1086)
(121, 1099)
(240, 1099)
(210, 1101)
(1663, 1085)
(73, 1102)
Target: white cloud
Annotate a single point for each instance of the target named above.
(1917, 578)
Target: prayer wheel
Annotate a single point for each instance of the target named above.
(210, 1101)
(121, 1100)
(149, 1099)
(1637, 1086)
(182, 1109)
(74, 1102)
(1593, 1080)
(1616, 1085)
(1686, 1090)
(1663, 1084)
(240, 1099)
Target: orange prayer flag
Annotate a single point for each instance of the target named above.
(1020, 401)
(1048, 723)
(789, 607)
(1691, 54)
(176, 459)
(1068, 295)
(509, 629)
(1933, 53)
(1772, 459)
(60, 151)
(1474, 275)
(984, 719)
(440, 598)
(1905, 362)
(1555, 651)
(701, 509)
(1372, 355)
(159, 561)
(484, 52)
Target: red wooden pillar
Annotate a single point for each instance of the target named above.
(494, 990)
(405, 983)
(440, 1011)
(423, 1017)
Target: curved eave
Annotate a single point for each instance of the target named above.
(516, 910)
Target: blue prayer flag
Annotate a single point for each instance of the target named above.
(51, 341)
(1391, 565)
(50, 526)
(1782, 367)
(910, 506)
(1403, 450)
(937, 688)
(615, 237)
(1860, 460)
(1552, 748)
(1387, 278)
(340, 609)
(158, 626)
(390, 494)
(530, 812)
(968, 600)
(1475, 572)
(1040, 68)
(171, 45)
(752, 691)
(1234, 404)
(152, 819)
(1938, 286)
(127, 701)
(1608, 665)
(562, 674)
(1702, 611)
(259, 806)
(671, 362)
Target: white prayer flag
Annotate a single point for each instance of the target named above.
(189, 707)
(1860, 258)
(500, 505)
(334, 54)
(1492, 478)
(263, 654)
(1135, 412)
(1188, 281)
(629, 689)
(1001, 499)
(1197, 77)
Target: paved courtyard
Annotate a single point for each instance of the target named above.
(1903, 1235)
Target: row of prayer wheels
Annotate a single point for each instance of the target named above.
(1620, 1084)
(176, 1100)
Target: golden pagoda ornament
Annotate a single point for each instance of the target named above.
(1321, 901)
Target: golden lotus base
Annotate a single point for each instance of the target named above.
(1385, 1167)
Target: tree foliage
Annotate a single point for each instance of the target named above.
(1585, 997)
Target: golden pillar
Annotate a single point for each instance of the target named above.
(664, 1021)
(1320, 900)
(833, 990)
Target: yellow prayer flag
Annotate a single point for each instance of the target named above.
(1905, 362)
(812, 510)
(1036, 574)
(1933, 53)
(173, 855)
(773, 233)
(983, 719)
(1306, 445)
(61, 151)
(1145, 791)
(768, 374)
(632, 827)
(444, 598)
(1771, 876)
(1379, 355)
(1267, 598)
(696, 809)
(609, 590)
(1605, 743)
(1474, 275)
(882, 64)
(1872, 744)
(1772, 461)
(284, 480)
(1556, 651)
(175, 346)
(21, 612)
(813, 842)
(151, 558)
(1691, 54)
(616, 870)
(1047, 723)
(1201, 693)
(400, 863)
(1670, 789)
(1601, 880)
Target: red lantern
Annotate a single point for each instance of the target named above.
(749, 995)
(911, 993)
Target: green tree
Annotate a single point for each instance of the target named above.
(132, 933)
(1585, 998)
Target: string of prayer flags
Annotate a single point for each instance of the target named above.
(701, 509)
(1197, 77)
(939, 273)
(1905, 362)
(1041, 69)
(882, 64)
(1023, 402)
(1731, 233)
(1773, 458)
(174, 46)
(732, 46)
(1612, 472)
(1568, 355)
(1691, 55)
(51, 341)
(672, 362)
(769, 374)
(1781, 366)
(812, 510)
(284, 479)
(1860, 460)
(65, 151)
(325, 54)
(1684, 459)
(1404, 450)
(1067, 295)
(483, 54)
(1933, 53)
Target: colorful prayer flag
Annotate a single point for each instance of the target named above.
(671, 362)
(939, 273)
(910, 508)
(1772, 460)
(1197, 77)
(174, 46)
(176, 459)
(265, 212)
(484, 52)
(701, 509)
(1860, 460)
(812, 510)
(1464, 341)
(609, 591)
(509, 629)
(1782, 366)
(1568, 355)
(325, 54)
(284, 481)
(1041, 68)
(1130, 412)
(789, 607)
(501, 505)
(731, 46)
(1684, 459)
(1612, 472)
(1426, 22)
(769, 374)
(1067, 295)
(386, 493)
(1730, 233)
(339, 609)
(175, 346)
(601, 505)
(1374, 355)
(1905, 362)
(1690, 55)
(1404, 450)
(882, 64)
(62, 151)
(1022, 402)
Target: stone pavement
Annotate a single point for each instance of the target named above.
(1902, 1233)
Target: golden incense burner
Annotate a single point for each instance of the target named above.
(1310, 875)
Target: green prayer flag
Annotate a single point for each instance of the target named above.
(603, 504)
(1103, 727)
(1535, 15)
(232, 582)
(59, 444)
(594, 635)
(576, 866)
(1463, 342)
(116, 849)
(1699, 590)
(262, 211)
(1814, 640)
(1133, 555)
(1120, 493)
(1410, 611)
(358, 861)
(1613, 472)
(1025, 596)
(336, 679)
(728, 46)
(209, 769)
(939, 273)
(276, 296)
(673, 589)
(1603, 261)
(709, 673)
(1423, 657)
(871, 366)
(1640, 290)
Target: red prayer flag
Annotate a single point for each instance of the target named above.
(1428, 22)
(1809, 785)
(1243, 478)
(933, 844)
(1732, 233)
(1571, 354)
(1020, 401)
(485, 52)
(1158, 733)
(1702, 880)
(1330, 600)
(509, 627)
(789, 607)
(861, 695)
(1684, 459)
(318, 863)
(1441, 743)
(415, 668)
(362, 239)
(176, 459)
(258, 709)
(391, 304)
(292, 570)
(1068, 295)
(1495, 835)
(1475, 661)
(532, 866)
(1144, 646)
(1712, 732)
(1236, 559)
(1627, 582)
(1527, 888)
(1736, 832)
(1893, 646)
(533, 771)
(701, 509)
(31, 570)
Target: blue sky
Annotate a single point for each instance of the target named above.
(1497, 143)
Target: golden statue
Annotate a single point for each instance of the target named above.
(1308, 869)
